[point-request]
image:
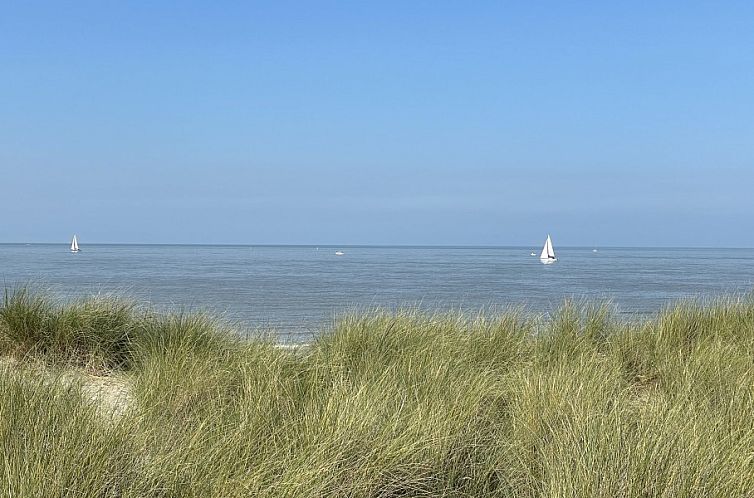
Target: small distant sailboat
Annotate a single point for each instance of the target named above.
(548, 253)
(339, 253)
(75, 244)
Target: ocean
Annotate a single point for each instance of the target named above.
(295, 291)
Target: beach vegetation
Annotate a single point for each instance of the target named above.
(380, 404)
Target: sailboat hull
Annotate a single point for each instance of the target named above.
(547, 261)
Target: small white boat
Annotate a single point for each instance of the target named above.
(594, 250)
(533, 254)
(548, 253)
(339, 253)
(75, 244)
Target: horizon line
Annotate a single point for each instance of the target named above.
(392, 246)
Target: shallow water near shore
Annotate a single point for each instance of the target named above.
(296, 290)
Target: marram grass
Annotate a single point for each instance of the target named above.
(382, 405)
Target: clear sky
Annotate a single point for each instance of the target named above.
(406, 122)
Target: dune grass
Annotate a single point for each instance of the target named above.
(94, 332)
(382, 405)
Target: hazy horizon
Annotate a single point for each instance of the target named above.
(429, 124)
(331, 245)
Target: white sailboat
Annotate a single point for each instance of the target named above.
(74, 244)
(548, 254)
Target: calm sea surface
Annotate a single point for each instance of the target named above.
(295, 290)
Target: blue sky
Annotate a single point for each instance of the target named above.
(480, 123)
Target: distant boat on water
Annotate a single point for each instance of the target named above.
(548, 253)
(339, 253)
(75, 244)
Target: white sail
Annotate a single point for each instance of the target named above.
(548, 253)
(74, 244)
(545, 254)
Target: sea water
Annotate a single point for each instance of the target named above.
(295, 291)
